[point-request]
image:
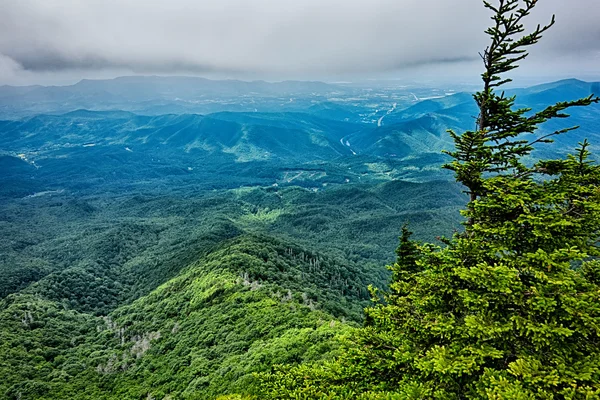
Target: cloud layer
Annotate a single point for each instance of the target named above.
(272, 37)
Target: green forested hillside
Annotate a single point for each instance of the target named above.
(508, 308)
(186, 295)
(250, 303)
(163, 257)
(168, 238)
(135, 242)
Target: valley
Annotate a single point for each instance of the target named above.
(170, 238)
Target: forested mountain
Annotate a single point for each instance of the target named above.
(507, 308)
(325, 131)
(150, 250)
(249, 303)
(102, 295)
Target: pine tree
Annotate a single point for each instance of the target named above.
(501, 140)
(509, 308)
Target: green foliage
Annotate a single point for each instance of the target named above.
(101, 275)
(139, 283)
(36, 339)
(251, 303)
(509, 308)
(100, 251)
(115, 267)
(500, 141)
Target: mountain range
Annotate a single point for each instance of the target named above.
(170, 238)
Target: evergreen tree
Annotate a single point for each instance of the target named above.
(509, 308)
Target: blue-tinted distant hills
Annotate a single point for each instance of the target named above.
(136, 87)
(247, 137)
(425, 134)
(422, 127)
(340, 135)
(458, 101)
(160, 95)
(563, 90)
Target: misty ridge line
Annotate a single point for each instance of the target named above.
(334, 85)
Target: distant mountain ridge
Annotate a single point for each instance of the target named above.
(422, 127)
(168, 85)
(249, 136)
(153, 94)
(156, 95)
(283, 147)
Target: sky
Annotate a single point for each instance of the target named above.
(63, 41)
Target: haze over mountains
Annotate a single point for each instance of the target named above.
(161, 95)
(283, 127)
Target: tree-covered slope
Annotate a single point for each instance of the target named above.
(96, 251)
(251, 303)
(187, 294)
(507, 308)
(246, 137)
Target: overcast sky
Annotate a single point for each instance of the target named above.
(62, 41)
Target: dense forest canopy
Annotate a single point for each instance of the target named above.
(231, 243)
(508, 308)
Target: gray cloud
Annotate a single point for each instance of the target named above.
(272, 37)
